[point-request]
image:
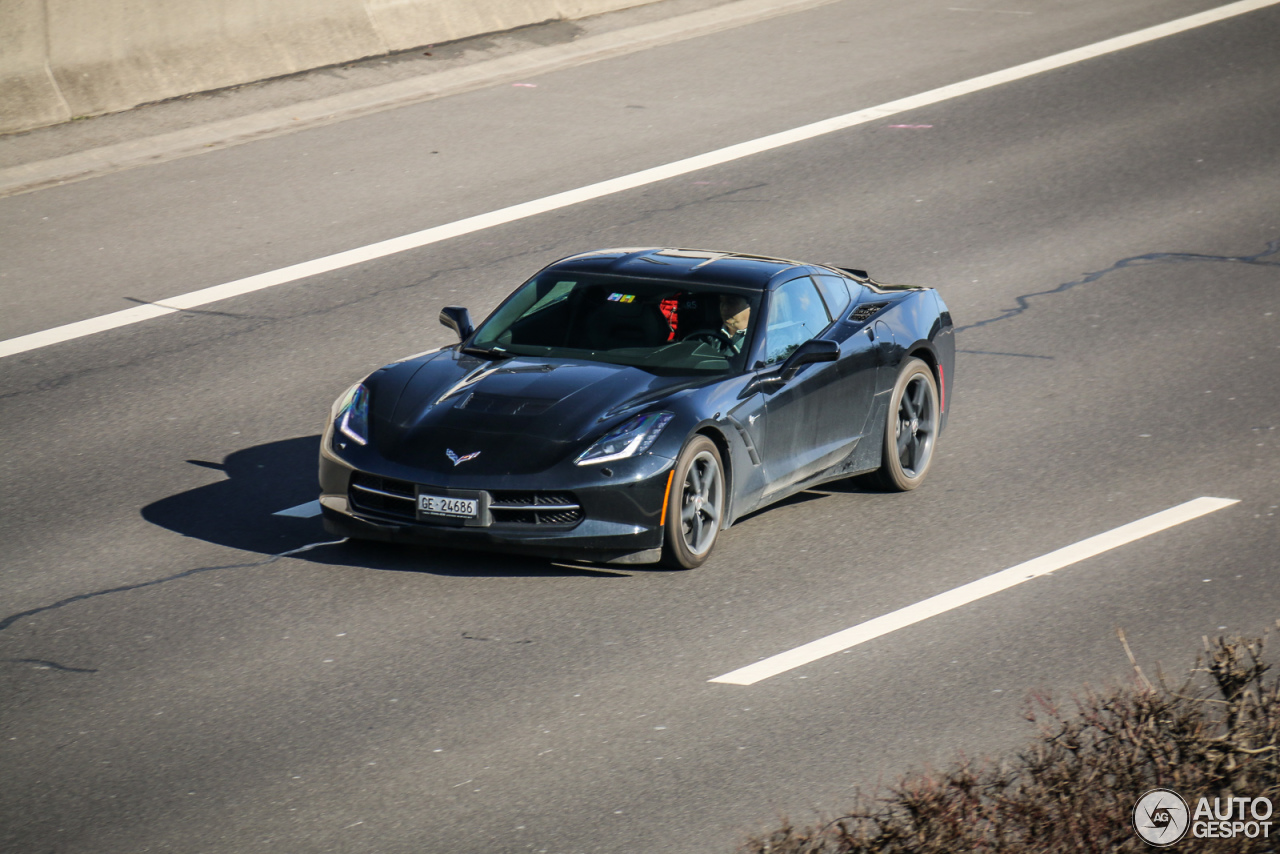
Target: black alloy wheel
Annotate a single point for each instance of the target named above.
(695, 505)
(912, 429)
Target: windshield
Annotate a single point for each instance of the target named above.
(663, 327)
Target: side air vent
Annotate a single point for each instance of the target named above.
(866, 310)
(535, 508)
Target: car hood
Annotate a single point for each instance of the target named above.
(516, 415)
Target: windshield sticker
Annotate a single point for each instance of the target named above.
(622, 297)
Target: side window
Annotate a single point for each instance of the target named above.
(835, 291)
(796, 314)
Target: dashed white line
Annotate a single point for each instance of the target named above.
(302, 511)
(973, 591)
(416, 240)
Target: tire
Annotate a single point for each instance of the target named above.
(911, 429)
(695, 505)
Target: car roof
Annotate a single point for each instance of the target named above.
(700, 266)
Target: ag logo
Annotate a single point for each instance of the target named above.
(1161, 817)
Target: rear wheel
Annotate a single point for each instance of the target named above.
(911, 431)
(695, 505)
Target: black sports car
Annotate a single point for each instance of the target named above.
(627, 405)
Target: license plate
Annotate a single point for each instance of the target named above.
(440, 505)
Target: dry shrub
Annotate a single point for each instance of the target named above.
(1072, 789)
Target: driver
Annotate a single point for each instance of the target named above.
(735, 311)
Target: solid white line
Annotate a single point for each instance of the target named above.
(973, 591)
(302, 511)
(24, 343)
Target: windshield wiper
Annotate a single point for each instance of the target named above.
(493, 353)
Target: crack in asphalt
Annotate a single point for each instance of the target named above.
(193, 311)
(722, 197)
(44, 664)
(80, 597)
(1024, 301)
(994, 353)
(469, 636)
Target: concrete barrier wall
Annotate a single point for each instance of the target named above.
(29, 96)
(61, 59)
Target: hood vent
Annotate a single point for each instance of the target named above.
(499, 404)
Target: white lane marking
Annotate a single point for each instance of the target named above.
(436, 234)
(302, 511)
(973, 591)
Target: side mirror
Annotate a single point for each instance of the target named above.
(808, 353)
(811, 351)
(458, 319)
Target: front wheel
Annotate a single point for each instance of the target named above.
(912, 429)
(695, 505)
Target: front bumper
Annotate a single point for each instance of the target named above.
(618, 516)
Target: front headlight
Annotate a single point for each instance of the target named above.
(352, 414)
(632, 437)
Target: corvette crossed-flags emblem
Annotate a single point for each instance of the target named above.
(457, 459)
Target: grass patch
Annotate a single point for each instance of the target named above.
(1073, 787)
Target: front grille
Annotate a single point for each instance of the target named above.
(396, 500)
(382, 496)
(535, 508)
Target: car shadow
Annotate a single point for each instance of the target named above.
(239, 512)
(858, 485)
(845, 486)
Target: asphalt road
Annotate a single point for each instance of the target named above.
(1107, 236)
